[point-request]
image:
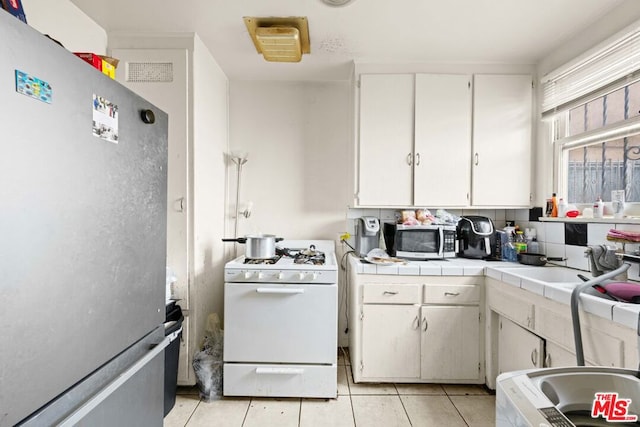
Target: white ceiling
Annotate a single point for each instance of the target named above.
(374, 31)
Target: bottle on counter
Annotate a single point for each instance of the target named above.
(562, 208)
(533, 246)
(520, 243)
(598, 208)
(508, 248)
(554, 206)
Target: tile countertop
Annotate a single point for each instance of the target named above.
(625, 314)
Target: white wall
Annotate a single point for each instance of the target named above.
(63, 21)
(210, 143)
(297, 137)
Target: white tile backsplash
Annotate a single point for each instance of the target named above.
(556, 250)
(554, 232)
(597, 233)
(522, 215)
(575, 257)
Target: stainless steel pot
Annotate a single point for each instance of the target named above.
(261, 246)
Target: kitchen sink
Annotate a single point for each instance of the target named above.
(546, 274)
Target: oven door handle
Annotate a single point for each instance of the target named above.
(279, 291)
(279, 371)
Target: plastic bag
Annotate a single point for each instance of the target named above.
(207, 364)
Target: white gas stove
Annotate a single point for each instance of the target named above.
(291, 267)
(281, 322)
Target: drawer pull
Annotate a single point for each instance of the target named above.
(451, 294)
(279, 371)
(534, 356)
(390, 293)
(279, 291)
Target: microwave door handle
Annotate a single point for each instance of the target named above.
(487, 245)
(441, 242)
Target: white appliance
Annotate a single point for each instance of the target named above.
(83, 166)
(569, 396)
(281, 322)
(565, 397)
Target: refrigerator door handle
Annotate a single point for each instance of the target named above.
(99, 397)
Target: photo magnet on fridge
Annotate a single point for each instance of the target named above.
(14, 7)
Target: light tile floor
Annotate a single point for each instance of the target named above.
(361, 405)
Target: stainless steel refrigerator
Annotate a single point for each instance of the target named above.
(83, 166)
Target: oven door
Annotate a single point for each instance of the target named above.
(280, 323)
(419, 243)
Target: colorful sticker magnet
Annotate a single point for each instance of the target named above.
(33, 87)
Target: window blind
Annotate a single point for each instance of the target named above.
(609, 68)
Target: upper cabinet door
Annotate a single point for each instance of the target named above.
(442, 140)
(385, 154)
(502, 114)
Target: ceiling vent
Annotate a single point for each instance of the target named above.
(279, 39)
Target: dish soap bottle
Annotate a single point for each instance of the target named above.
(554, 206)
(521, 243)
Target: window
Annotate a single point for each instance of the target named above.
(594, 107)
(593, 170)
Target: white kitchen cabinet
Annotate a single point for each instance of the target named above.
(442, 140)
(424, 142)
(391, 341)
(502, 135)
(518, 348)
(416, 329)
(415, 132)
(385, 154)
(556, 356)
(450, 344)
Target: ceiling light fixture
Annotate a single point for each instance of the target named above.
(338, 3)
(279, 39)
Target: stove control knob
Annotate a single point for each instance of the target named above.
(301, 276)
(260, 275)
(247, 275)
(279, 275)
(314, 276)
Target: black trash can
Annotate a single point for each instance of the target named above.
(173, 328)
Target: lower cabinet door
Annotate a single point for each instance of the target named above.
(450, 342)
(556, 356)
(518, 348)
(390, 341)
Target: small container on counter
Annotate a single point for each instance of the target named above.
(598, 208)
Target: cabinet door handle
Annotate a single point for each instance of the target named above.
(425, 325)
(409, 160)
(451, 294)
(547, 361)
(534, 356)
(390, 293)
(476, 157)
(416, 322)
(417, 159)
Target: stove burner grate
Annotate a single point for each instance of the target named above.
(262, 261)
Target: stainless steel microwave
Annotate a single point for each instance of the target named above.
(420, 242)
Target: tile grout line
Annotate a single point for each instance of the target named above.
(246, 413)
(457, 410)
(402, 403)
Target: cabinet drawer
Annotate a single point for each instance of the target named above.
(391, 294)
(451, 294)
